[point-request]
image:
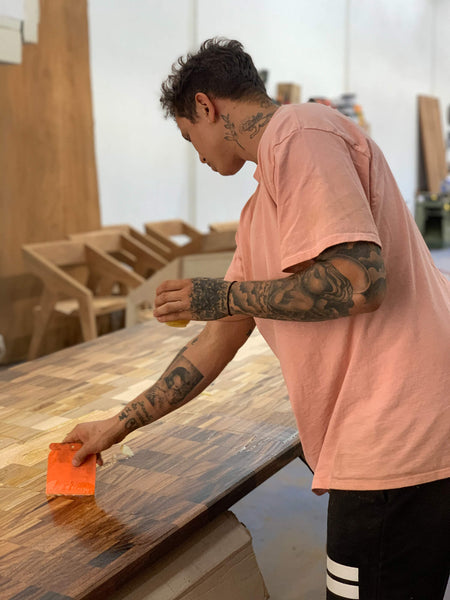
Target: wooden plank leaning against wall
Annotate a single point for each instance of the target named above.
(48, 185)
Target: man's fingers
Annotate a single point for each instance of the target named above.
(81, 455)
(73, 436)
(176, 316)
(179, 299)
(172, 285)
(94, 436)
(172, 302)
(172, 305)
(170, 308)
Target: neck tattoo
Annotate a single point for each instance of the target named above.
(255, 123)
(231, 135)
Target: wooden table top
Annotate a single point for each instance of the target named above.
(186, 469)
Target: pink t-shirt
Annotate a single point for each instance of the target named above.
(370, 392)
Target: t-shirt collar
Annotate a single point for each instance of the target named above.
(257, 172)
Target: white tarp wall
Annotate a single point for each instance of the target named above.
(386, 52)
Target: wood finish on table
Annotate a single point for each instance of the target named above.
(186, 468)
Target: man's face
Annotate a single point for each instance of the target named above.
(208, 138)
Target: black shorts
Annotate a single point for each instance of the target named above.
(389, 545)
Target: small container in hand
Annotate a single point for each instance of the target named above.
(178, 323)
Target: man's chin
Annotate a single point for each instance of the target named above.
(231, 170)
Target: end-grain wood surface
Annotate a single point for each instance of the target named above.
(186, 468)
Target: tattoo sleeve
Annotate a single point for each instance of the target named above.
(177, 384)
(345, 279)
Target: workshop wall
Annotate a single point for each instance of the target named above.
(142, 165)
(387, 53)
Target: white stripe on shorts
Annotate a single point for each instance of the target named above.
(343, 590)
(341, 571)
(340, 588)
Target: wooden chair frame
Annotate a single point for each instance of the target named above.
(64, 293)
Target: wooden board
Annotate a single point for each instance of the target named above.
(47, 161)
(433, 167)
(187, 468)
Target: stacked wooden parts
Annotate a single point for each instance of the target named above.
(224, 226)
(193, 241)
(116, 270)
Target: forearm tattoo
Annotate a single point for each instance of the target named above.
(135, 415)
(172, 389)
(319, 292)
(208, 300)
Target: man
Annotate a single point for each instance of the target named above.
(333, 271)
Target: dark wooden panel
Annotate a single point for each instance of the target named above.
(186, 468)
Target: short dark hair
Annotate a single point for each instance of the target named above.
(220, 69)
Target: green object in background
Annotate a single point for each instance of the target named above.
(432, 215)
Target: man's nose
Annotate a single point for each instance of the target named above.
(202, 158)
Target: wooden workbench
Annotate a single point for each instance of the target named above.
(186, 469)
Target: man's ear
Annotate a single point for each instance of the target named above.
(205, 107)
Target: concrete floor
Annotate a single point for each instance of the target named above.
(288, 523)
(288, 526)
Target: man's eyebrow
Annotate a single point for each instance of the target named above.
(186, 137)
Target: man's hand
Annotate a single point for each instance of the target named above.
(95, 436)
(198, 299)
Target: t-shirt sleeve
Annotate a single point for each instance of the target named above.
(320, 198)
(235, 271)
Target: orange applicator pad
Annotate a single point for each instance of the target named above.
(66, 480)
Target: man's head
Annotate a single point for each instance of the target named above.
(220, 69)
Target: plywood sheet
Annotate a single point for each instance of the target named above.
(49, 182)
(432, 147)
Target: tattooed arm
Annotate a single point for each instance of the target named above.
(190, 372)
(344, 280)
